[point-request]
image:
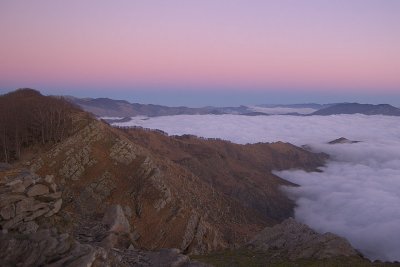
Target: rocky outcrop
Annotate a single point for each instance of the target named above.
(49, 248)
(294, 240)
(194, 194)
(99, 167)
(26, 198)
(32, 233)
(342, 140)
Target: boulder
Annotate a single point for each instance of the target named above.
(37, 190)
(28, 180)
(49, 179)
(7, 199)
(18, 188)
(57, 205)
(115, 219)
(8, 212)
(37, 214)
(24, 205)
(28, 227)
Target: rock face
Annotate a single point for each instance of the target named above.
(115, 219)
(26, 198)
(34, 234)
(182, 192)
(242, 172)
(294, 240)
(49, 248)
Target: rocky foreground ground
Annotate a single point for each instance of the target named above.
(36, 232)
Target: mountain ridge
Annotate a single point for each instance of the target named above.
(106, 107)
(356, 108)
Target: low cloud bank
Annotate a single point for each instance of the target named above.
(358, 194)
(282, 110)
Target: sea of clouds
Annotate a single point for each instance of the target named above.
(281, 110)
(358, 193)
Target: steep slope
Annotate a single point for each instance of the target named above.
(169, 206)
(353, 108)
(172, 202)
(242, 172)
(292, 244)
(297, 241)
(37, 231)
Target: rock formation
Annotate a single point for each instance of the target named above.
(34, 233)
(196, 195)
(294, 240)
(26, 198)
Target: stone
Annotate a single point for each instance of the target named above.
(128, 211)
(115, 219)
(53, 187)
(14, 221)
(37, 190)
(49, 179)
(8, 212)
(37, 214)
(7, 199)
(24, 205)
(28, 227)
(28, 180)
(110, 241)
(57, 205)
(13, 183)
(190, 231)
(40, 205)
(53, 196)
(18, 188)
(50, 197)
(135, 235)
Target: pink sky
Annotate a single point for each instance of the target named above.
(317, 45)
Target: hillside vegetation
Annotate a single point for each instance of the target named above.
(28, 118)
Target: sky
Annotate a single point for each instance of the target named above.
(208, 52)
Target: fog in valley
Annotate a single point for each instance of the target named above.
(358, 193)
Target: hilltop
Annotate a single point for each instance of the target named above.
(354, 108)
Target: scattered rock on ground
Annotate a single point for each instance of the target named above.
(295, 240)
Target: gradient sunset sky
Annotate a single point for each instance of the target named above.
(205, 52)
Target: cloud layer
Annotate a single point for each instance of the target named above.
(281, 110)
(358, 194)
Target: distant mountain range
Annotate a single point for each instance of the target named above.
(105, 107)
(353, 108)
